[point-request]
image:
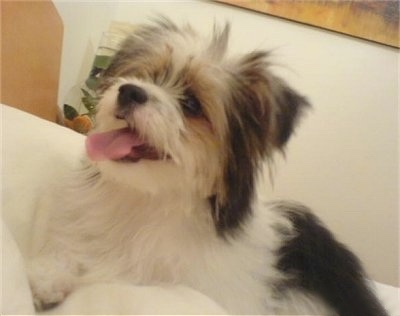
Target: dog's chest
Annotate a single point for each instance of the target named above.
(232, 274)
(151, 246)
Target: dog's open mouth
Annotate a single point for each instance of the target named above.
(119, 145)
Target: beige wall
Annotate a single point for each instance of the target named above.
(343, 162)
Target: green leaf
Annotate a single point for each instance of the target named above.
(89, 101)
(70, 112)
(102, 61)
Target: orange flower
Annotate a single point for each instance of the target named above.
(82, 124)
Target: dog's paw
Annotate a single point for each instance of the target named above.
(51, 281)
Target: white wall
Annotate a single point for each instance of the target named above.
(343, 162)
(84, 23)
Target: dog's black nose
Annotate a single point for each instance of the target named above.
(131, 95)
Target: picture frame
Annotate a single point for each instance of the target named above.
(376, 21)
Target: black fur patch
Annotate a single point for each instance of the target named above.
(240, 172)
(324, 267)
(291, 105)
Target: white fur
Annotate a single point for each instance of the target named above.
(113, 233)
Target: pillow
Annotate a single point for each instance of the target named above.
(35, 154)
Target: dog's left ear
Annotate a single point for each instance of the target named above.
(262, 115)
(287, 108)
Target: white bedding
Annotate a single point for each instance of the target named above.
(35, 153)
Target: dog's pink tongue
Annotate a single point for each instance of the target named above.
(111, 145)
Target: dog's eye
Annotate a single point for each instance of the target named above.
(191, 106)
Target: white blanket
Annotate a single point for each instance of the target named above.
(34, 153)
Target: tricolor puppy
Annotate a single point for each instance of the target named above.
(167, 192)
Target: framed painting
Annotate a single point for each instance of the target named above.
(376, 21)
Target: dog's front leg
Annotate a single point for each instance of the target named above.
(52, 275)
(54, 266)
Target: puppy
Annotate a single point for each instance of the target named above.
(166, 194)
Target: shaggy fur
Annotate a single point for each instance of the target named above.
(167, 193)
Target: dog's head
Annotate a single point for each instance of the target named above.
(177, 115)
